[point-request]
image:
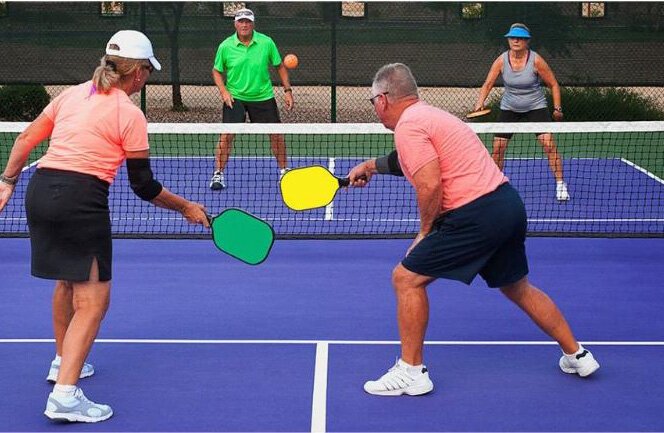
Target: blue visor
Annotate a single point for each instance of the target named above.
(518, 32)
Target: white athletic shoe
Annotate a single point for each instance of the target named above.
(76, 408)
(217, 182)
(561, 191)
(398, 380)
(87, 371)
(583, 363)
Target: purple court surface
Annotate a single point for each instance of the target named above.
(197, 341)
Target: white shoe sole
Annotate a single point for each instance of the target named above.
(583, 372)
(73, 417)
(412, 390)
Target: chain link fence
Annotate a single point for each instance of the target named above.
(449, 46)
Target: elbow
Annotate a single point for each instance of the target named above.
(148, 191)
(430, 190)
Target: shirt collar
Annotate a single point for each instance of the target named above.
(237, 40)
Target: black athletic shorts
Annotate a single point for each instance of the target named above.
(486, 236)
(259, 112)
(69, 223)
(540, 115)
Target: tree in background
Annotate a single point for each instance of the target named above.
(170, 15)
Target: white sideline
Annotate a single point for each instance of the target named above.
(319, 400)
(339, 342)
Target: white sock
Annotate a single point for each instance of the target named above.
(64, 390)
(411, 369)
(581, 349)
(560, 182)
(282, 170)
(57, 359)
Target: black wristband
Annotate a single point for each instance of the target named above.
(288, 89)
(389, 164)
(12, 181)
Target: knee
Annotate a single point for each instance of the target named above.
(399, 278)
(547, 143)
(516, 290)
(405, 281)
(95, 307)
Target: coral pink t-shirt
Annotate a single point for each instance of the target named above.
(425, 133)
(93, 131)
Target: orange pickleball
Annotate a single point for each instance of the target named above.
(291, 61)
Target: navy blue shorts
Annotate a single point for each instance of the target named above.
(487, 237)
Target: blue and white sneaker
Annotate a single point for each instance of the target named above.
(76, 408)
(87, 371)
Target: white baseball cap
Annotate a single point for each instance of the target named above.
(244, 14)
(132, 44)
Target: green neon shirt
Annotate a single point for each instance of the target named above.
(247, 67)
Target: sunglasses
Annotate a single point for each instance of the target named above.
(373, 98)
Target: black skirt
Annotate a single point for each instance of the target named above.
(69, 223)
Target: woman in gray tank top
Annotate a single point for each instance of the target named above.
(522, 71)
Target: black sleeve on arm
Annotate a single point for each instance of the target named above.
(141, 179)
(389, 164)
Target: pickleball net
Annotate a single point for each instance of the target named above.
(614, 173)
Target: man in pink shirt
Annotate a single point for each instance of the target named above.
(471, 222)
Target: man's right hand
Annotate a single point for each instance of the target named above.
(360, 175)
(227, 98)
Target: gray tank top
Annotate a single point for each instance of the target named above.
(523, 90)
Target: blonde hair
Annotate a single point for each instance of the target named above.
(114, 70)
(397, 80)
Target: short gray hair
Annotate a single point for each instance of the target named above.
(397, 80)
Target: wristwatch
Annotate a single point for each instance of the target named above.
(288, 89)
(558, 109)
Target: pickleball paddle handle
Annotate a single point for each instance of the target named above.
(345, 181)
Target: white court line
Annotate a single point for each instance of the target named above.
(388, 220)
(319, 400)
(319, 396)
(642, 170)
(329, 209)
(339, 342)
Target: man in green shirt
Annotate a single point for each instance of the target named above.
(243, 60)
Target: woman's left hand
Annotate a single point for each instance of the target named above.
(195, 213)
(5, 193)
(557, 115)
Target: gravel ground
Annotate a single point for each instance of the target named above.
(312, 103)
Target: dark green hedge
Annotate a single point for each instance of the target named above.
(22, 102)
